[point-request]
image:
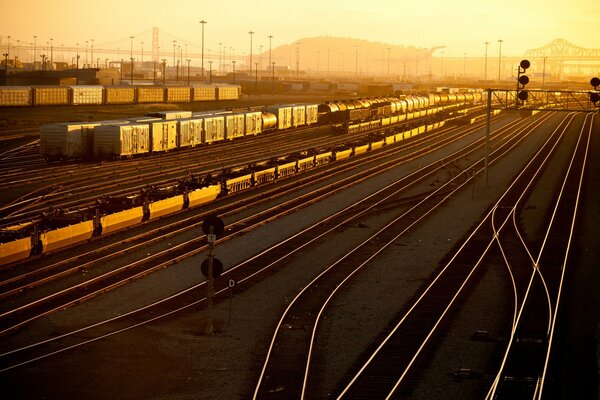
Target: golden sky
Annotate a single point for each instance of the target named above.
(461, 25)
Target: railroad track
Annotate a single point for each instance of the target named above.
(290, 359)
(263, 222)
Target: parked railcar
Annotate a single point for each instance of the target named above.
(67, 140)
(150, 94)
(119, 95)
(178, 94)
(121, 140)
(283, 113)
(227, 92)
(14, 96)
(204, 92)
(298, 115)
(213, 128)
(189, 132)
(87, 94)
(235, 124)
(163, 135)
(252, 123)
(51, 95)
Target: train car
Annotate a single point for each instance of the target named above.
(283, 113)
(67, 140)
(163, 135)
(14, 96)
(189, 132)
(234, 125)
(178, 94)
(228, 92)
(121, 140)
(253, 123)
(119, 95)
(51, 95)
(149, 94)
(87, 94)
(169, 115)
(312, 114)
(204, 92)
(213, 128)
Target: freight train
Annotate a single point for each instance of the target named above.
(165, 131)
(14, 96)
(58, 229)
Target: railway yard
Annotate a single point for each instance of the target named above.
(366, 264)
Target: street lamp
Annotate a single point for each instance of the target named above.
(51, 54)
(77, 71)
(486, 55)
(233, 62)
(33, 56)
(499, 58)
(209, 72)
(164, 60)
(86, 59)
(388, 74)
(251, 33)
(5, 68)
(174, 45)
(203, 22)
(356, 62)
(142, 52)
(188, 80)
(220, 68)
(273, 76)
(131, 57)
(92, 40)
(270, 38)
(256, 80)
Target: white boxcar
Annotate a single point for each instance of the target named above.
(312, 113)
(189, 133)
(298, 115)
(175, 114)
(234, 125)
(213, 129)
(163, 135)
(86, 94)
(50, 95)
(204, 92)
(150, 94)
(67, 140)
(121, 140)
(15, 96)
(283, 114)
(253, 122)
(119, 95)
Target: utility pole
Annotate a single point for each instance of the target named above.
(486, 55)
(131, 58)
(500, 59)
(270, 38)
(250, 66)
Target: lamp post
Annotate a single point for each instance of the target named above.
(91, 40)
(85, 65)
(298, 60)
(174, 45)
(356, 62)
(499, 58)
(121, 80)
(188, 80)
(273, 76)
(544, 73)
(33, 56)
(256, 80)
(220, 68)
(464, 66)
(270, 38)
(250, 65)
(209, 72)
(131, 57)
(485, 66)
(203, 22)
(142, 58)
(164, 60)
(388, 71)
(5, 68)
(51, 54)
(77, 71)
(233, 62)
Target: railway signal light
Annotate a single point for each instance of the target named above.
(595, 96)
(522, 80)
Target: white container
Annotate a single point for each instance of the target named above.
(121, 140)
(298, 115)
(163, 135)
(86, 94)
(15, 96)
(253, 122)
(213, 129)
(312, 113)
(234, 125)
(189, 132)
(63, 141)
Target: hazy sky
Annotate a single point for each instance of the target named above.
(461, 25)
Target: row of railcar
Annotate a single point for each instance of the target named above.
(96, 95)
(164, 131)
(62, 228)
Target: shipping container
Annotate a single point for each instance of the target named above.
(63, 141)
(150, 94)
(213, 129)
(121, 140)
(283, 114)
(312, 113)
(119, 95)
(253, 122)
(177, 94)
(204, 92)
(168, 115)
(234, 125)
(163, 135)
(50, 95)
(15, 96)
(86, 94)
(298, 115)
(189, 133)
